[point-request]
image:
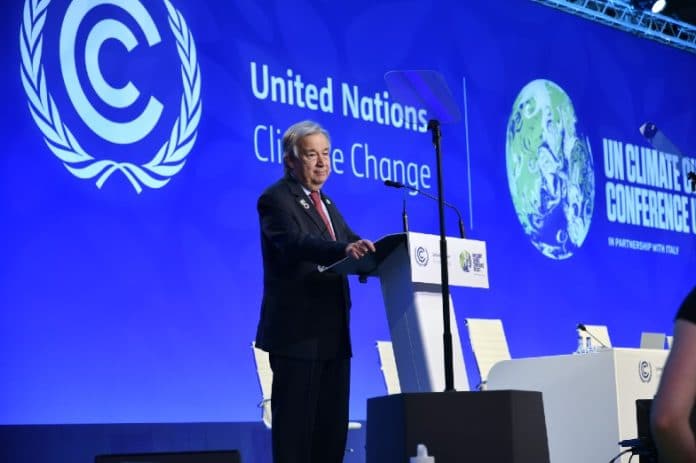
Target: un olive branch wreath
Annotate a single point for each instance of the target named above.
(170, 158)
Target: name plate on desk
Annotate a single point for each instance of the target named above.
(467, 262)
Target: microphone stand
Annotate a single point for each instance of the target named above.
(434, 127)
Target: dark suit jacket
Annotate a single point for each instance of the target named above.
(304, 313)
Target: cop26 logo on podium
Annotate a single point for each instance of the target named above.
(92, 92)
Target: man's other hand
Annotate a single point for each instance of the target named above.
(359, 248)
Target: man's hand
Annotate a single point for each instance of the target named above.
(359, 248)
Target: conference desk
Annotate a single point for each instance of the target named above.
(589, 399)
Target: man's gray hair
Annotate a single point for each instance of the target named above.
(297, 132)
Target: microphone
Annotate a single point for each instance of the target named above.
(393, 184)
(583, 328)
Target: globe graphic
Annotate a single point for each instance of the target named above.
(550, 170)
(465, 260)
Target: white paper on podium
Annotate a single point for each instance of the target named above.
(467, 263)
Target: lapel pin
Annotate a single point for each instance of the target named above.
(304, 203)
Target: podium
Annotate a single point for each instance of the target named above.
(458, 427)
(589, 399)
(499, 427)
(408, 266)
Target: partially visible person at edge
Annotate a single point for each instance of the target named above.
(305, 314)
(671, 410)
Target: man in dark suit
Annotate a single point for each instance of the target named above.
(304, 321)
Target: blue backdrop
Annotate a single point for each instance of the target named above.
(130, 277)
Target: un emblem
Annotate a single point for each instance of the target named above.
(645, 371)
(422, 256)
(171, 156)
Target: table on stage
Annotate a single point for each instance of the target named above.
(589, 399)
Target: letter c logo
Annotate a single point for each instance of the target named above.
(116, 132)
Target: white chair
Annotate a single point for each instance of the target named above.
(265, 376)
(488, 343)
(387, 363)
(600, 335)
(652, 340)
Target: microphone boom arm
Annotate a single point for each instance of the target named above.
(393, 184)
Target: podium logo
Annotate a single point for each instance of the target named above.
(88, 30)
(422, 256)
(550, 170)
(645, 371)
